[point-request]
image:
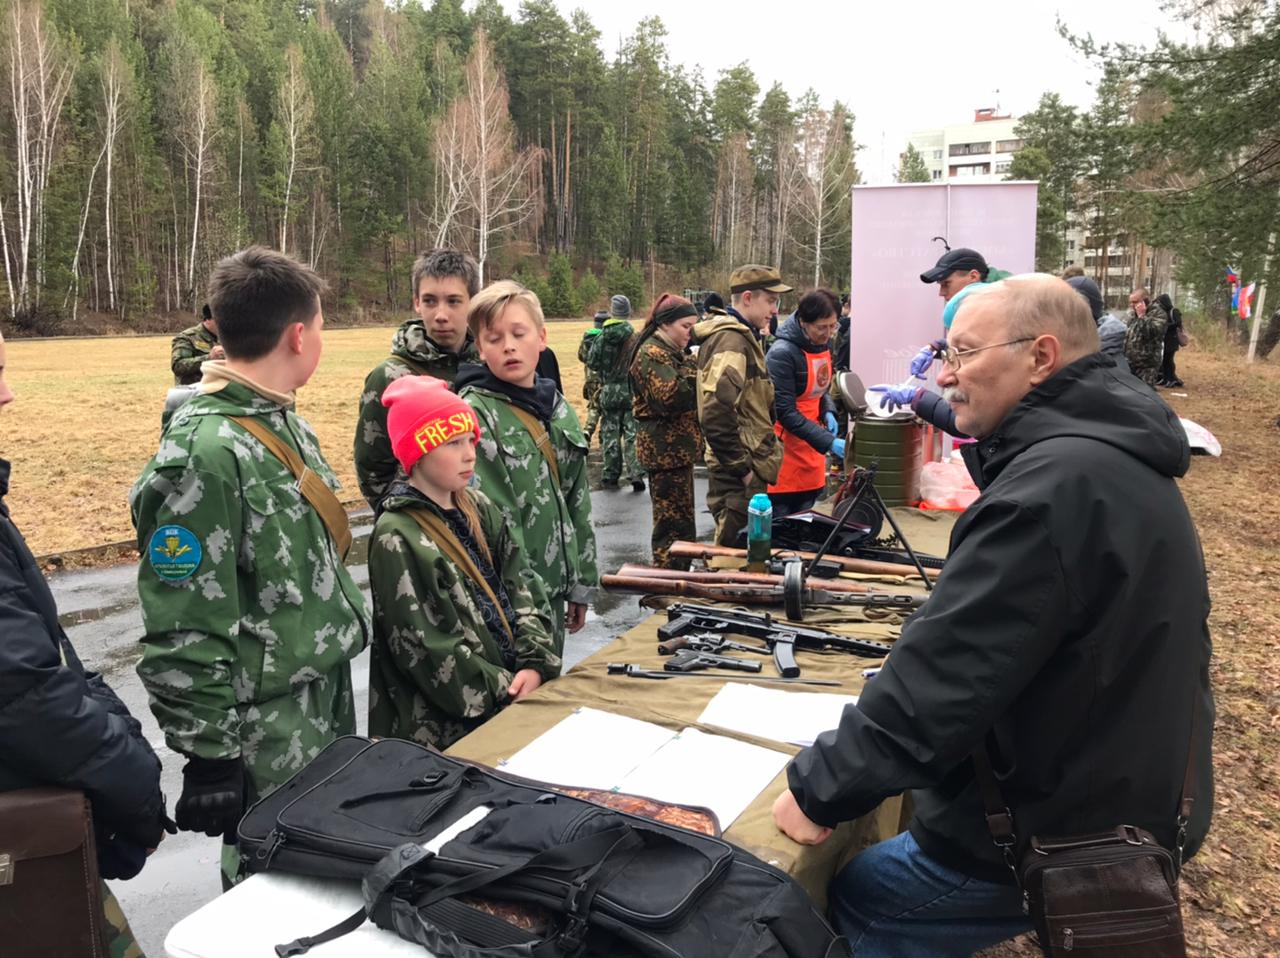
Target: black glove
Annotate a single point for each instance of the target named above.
(215, 794)
(119, 858)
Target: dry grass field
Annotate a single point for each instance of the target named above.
(88, 418)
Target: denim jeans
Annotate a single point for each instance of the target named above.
(893, 901)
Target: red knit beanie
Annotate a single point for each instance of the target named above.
(421, 414)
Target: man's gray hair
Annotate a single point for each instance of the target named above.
(1037, 304)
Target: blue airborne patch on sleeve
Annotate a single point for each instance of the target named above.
(174, 553)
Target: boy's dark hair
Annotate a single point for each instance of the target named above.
(256, 294)
(817, 304)
(445, 263)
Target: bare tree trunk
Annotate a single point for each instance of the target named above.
(112, 82)
(73, 291)
(4, 250)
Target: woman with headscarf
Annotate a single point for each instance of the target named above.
(664, 397)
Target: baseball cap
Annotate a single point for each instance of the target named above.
(960, 258)
(752, 276)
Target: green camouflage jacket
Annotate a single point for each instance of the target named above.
(190, 349)
(664, 384)
(735, 399)
(607, 358)
(552, 522)
(436, 670)
(250, 617)
(591, 384)
(1144, 342)
(412, 354)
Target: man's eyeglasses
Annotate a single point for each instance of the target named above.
(954, 358)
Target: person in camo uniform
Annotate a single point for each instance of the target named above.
(460, 627)
(192, 347)
(250, 617)
(664, 389)
(434, 343)
(532, 458)
(607, 358)
(1144, 342)
(591, 383)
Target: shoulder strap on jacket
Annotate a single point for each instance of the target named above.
(541, 438)
(314, 489)
(439, 532)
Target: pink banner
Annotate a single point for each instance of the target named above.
(893, 313)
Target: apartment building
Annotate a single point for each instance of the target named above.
(980, 151)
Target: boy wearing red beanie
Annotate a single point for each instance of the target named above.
(460, 623)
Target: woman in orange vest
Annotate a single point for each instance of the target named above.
(804, 414)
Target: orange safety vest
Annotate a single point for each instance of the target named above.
(803, 467)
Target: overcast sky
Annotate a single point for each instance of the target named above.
(902, 65)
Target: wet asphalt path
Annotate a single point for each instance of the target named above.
(100, 612)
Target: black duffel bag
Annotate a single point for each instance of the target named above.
(614, 884)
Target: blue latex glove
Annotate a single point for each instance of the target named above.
(895, 396)
(922, 360)
(837, 449)
(830, 420)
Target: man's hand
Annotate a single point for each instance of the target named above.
(217, 352)
(832, 426)
(837, 449)
(215, 794)
(795, 824)
(575, 617)
(524, 682)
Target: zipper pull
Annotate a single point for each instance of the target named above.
(268, 849)
(1068, 939)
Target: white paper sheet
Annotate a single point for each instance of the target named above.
(595, 749)
(589, 749)
(712, 771)
(778, 714)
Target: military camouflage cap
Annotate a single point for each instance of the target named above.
(752, 276)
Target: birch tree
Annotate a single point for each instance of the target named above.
(113, 77)
(826, 164)
(499, 180)
(39, 74)
(295, 118)
(195, 133)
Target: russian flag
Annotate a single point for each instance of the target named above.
(1233, 275)
(1245, 308)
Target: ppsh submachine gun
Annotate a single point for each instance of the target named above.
(781, 637)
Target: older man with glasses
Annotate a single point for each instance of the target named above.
(1066, 641)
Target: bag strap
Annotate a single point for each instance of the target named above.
(313, 488)
(439, 532)
(1000, 818)
(541, 438)
(413, 364)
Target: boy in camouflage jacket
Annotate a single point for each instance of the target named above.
(434, 343)
(540, 485)
(251, 618)
(449, 650)
(608, 358)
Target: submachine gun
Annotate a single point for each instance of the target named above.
(781, 637)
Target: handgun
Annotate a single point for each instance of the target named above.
(691, 661)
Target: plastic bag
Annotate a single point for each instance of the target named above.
(946, 486)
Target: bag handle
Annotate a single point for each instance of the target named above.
(592, 853)
(314, 489)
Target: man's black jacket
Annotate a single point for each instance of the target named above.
(58, 724)
(789, 372)
(1068, 631)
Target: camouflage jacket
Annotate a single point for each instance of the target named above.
(190, 349)
(664, 384)
(591, 384)
(735, 399)
(250, 616)
(550, 520)
(437, 671)
(607, 358)
(1144, 342)
(412, 354)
